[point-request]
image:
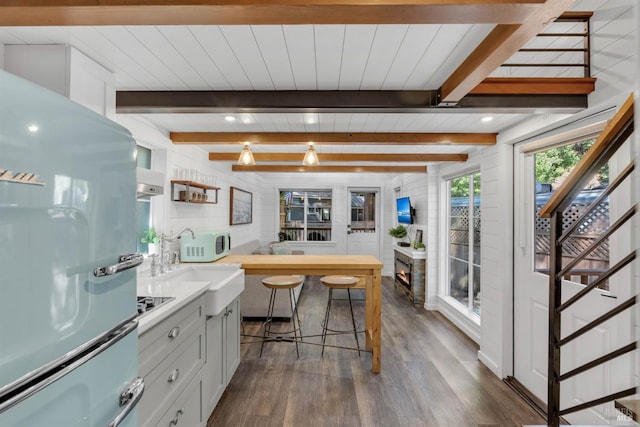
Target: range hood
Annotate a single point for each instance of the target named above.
(150, 183)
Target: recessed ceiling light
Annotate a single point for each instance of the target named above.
(230, 118)
(33, 128)
(487, 119)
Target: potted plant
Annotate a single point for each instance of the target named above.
(420, 246)
(399, 232)
(152, 238)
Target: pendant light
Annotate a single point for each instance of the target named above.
(310, 157)
(246, 156)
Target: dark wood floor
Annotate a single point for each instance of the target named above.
(430, 376)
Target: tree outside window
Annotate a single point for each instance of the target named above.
(553, 165)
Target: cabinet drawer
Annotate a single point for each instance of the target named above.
(155, 344)
(187, 409)
(168, 380)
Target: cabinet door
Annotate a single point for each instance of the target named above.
(186, 411)
(214, 370)
(232, 339)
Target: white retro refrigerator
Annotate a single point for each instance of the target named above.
(68, 328)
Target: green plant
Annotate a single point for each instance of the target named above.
(420, 245)
(150, 236)
(398, 232)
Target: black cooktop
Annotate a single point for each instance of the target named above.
(146, 304)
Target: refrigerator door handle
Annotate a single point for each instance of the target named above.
(125, 262)
(129, 398)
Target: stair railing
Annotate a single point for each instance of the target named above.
(618, 130)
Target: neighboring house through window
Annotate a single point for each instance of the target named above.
(305, 215)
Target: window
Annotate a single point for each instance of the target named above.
(464, 241)
(305, 215)
(143, 206)
(363, 211)
(552, 167)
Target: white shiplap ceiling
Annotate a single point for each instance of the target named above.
(300, 57)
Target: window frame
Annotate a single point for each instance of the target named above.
(140, 246)
(467, 310)
(306, 211)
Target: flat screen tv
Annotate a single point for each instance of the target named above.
(405, 212)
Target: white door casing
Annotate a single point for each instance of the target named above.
(531, 313)
(359, 241)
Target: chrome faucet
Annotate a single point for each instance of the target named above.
(179, 233)
(165, 254)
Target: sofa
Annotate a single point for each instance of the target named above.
(254, 300)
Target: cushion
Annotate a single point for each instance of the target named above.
(263, 250)
(280, 248)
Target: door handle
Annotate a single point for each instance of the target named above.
(174, 375)
(174, 421)
(129, 398)
(125, 262)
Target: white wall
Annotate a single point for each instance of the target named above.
(339, 183)
(614, 60)
(418, 188)
(433, 238)
(497, 261)
(170, 216)
(614, 51)
(439, 268)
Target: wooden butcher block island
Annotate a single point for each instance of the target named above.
(366, 266)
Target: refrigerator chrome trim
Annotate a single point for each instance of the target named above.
(34, 381)
(125, 262)
(129, 398)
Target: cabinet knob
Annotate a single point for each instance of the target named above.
(175, 419)
(174, 332)
(174, 375)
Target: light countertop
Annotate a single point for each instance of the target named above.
(179, 284)
(410, 252)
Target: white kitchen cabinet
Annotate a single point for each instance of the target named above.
(187, 409)
(232, 340)
(223, 353)
(67, 71)
(171, 357)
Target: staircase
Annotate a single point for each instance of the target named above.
(617, 132)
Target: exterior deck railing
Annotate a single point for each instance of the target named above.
(313, 234)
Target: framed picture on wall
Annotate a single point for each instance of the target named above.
(241, 207)
(418, 237)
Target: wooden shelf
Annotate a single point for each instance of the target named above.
(188, 185)
(195, 185)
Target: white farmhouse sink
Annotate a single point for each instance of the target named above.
(223, 292)
(201, 273)
(226, 282)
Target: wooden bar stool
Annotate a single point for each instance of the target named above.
(339, 282)
(282, 282)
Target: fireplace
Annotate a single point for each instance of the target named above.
(409, 273)
(403, 271)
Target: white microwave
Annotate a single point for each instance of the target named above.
(206, 247)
